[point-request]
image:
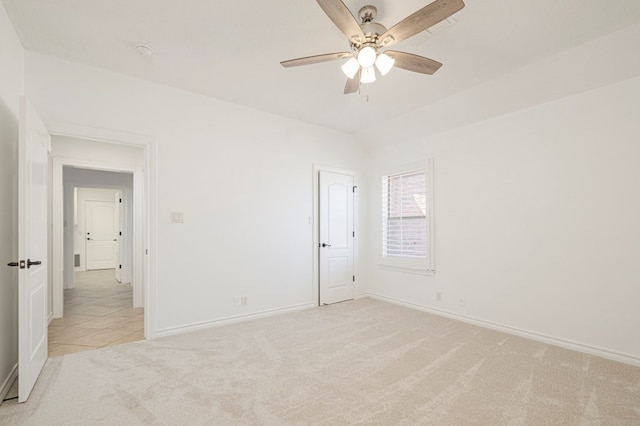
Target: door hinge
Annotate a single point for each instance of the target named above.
(120, 267)
(354, 278)
(354, 234)
(120, 199)
(120, 233)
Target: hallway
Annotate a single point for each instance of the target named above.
(97, 313)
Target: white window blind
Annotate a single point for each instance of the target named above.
(406, 219)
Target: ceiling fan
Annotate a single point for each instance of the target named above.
(370, 40)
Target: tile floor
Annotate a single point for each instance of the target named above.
(97, 313)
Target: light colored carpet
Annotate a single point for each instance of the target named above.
(360, 362)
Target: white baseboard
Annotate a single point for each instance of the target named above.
(171, 331)
(567, 344)
(6, 385)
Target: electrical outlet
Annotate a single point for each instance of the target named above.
(439, 296)
(244, 301)
(177, 217)
(237, 301)
(461, 301)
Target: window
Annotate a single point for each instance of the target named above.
(406, 218)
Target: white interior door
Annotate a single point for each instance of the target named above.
(32, 248)
(100, 234)
(336, 237)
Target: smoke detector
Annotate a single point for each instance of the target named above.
(144, 50)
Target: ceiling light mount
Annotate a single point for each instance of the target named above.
(367, 13)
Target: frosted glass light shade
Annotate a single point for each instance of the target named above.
(350, 68)
(368, 75)
(384, 63)
(367, 56)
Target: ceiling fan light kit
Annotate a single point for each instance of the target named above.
(351, 67)
(384, 63)
(367, 56)
(367, 75)
(369, 38)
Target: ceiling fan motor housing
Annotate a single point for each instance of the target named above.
(372, 30)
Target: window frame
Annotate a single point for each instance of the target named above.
(424, 266)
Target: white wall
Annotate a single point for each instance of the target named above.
(536, 220)
(12, 69)
(602, 61)
(242, 178)
(11, 88)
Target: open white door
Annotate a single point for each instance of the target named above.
(336, 237)
(34, 144)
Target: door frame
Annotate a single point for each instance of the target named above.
(144, 212)
(317, 168)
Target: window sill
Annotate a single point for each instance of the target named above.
(407, 270)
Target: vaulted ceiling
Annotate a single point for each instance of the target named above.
(232, 50)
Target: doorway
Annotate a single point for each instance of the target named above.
(335, 235)
(98, 296)
(89, 151)
(98, 214)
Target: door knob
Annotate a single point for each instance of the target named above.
(326, 245)
(20, 264)
(35, 262)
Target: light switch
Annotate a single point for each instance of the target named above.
(177, 217)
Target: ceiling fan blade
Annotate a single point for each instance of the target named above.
(343, 19)
(419, 21)
(308, 60)
(415, 63)
(353, 84)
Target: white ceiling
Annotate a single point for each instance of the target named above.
(231, 50)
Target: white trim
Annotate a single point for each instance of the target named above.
(171, 331)
(539, 337)
(431, 238)
(413, 166)
(6, 385)
(317, 168)
(407, 270)
(57, 207)
(144, 207)
(99, 135)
